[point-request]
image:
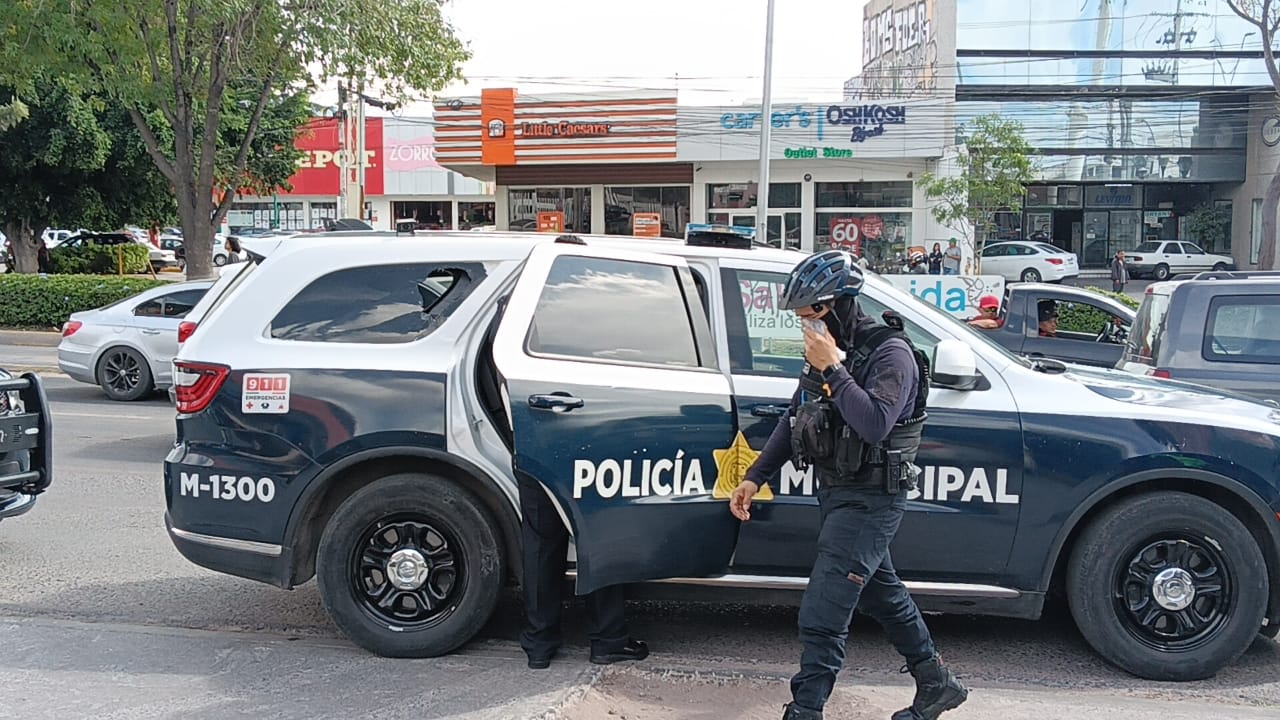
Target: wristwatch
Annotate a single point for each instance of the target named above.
(830, 371)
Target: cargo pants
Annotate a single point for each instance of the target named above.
(854, 570)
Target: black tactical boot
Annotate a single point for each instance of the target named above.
(937, 691)
(795, 712)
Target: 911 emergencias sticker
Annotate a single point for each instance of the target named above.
(265, 393)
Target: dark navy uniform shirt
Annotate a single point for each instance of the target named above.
(888, 398)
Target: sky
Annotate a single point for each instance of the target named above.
(716, 47)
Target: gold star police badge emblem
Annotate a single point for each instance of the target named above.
(732, 464)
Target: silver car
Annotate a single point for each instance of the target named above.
(127, 347)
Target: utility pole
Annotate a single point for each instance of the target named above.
(766, 125)
(360, 143)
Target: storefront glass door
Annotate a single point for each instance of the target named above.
(780, 224)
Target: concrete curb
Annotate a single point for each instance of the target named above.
(42, 371)
(31, 338)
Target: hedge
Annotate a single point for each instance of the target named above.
(99, 259)
(1084, 319)
(46, 301)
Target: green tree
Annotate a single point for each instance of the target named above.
(994, 166)
(12, 113)
(1265, 16)
(1208, 225)
(44, 161)
(174, 63)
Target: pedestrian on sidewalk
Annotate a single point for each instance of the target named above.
(1119, 273)
(951, 258)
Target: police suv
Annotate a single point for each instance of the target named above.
(354, 406)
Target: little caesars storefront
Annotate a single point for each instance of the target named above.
(841, 174)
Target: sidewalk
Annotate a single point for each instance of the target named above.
(30, 338)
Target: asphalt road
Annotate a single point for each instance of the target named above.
(101, 617)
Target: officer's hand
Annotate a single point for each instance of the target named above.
(740, 500)
(820, 349)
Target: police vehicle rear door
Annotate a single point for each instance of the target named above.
(620, 410)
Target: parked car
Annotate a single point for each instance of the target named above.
(160, 258)
(1100, 344)
(1162, 259)
(26, 443)
(1216, 329)
(353, 407)
(127, 347)
(1027, 261)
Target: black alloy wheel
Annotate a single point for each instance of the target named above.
(411, 565)
(124, 374)
(1168, 585)
(406, 571)
(1174, 593)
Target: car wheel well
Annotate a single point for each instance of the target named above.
(1236, 505)
(343, 484)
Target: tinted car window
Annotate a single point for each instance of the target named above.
(1148, 329)
(1147, 247)
(995, 251)
(1244, 329)
(376, 303)
(763, 339)
(614, 311)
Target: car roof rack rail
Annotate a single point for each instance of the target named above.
(1237, 274)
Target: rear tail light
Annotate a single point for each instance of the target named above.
(71, 327)
(196, 384)
(1054, 261)
(185, 330)
(1161, 374)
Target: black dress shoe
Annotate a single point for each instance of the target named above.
(539, 663)
(633, 650)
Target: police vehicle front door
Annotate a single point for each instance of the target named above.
(971, 453)
(619, 409)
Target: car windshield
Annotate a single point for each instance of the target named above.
(1147, 247)
(974, 335)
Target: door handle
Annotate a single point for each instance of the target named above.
(555, 401)
(768, 410)
(145, 331)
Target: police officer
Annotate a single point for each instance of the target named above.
(545, 542)
(856, 419)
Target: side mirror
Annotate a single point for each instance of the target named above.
(955, 367)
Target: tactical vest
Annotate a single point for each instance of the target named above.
(821, 437)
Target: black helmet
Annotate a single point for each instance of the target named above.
(821, 278)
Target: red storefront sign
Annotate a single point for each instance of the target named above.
(846, 234)
(320, 173)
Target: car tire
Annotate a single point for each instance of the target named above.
(1031, 275)
(219, 260)
(123, 374)
(1161, 272)
(433, 522)
(1219, 267)
(1163, 542)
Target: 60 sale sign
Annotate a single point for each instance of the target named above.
(846, 234)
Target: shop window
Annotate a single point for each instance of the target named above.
(780, 224)
(1062, 196)
(322, 212)
(879, 237)
(523, 206)
(475, 215)
(265, 215)
(671, 203)
(864, 195)
(743, 195)
(427, 215)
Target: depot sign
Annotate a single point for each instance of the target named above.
(320, 169)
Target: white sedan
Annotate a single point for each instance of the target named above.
(127, 347)
(1029, 261)
(1163, 259)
